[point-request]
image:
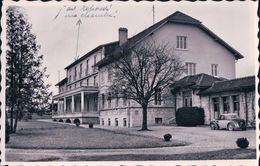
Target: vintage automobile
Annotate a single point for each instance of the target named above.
(228, 121)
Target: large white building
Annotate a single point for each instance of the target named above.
(84, 94)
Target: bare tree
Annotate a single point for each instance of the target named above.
(139, 73)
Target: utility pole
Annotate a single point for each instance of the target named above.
(77, 24)
(153, 14)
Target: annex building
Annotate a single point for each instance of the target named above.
(84, 93)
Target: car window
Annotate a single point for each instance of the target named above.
(232, 117)
(222, 117)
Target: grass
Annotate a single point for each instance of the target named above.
(226, 154)
(44, 135)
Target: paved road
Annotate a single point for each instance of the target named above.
(202, 139)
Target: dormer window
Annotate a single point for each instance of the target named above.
(181, 42)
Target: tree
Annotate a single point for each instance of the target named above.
(25, 87)
(143, 71)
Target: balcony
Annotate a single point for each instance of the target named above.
(91, 88)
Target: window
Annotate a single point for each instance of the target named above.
(102, 122)
(95, 103)
(109, 100)
(95, 59)
(191, 68)
(102, 76)
(236, 104)
(103, 100)
(124, 101)
(214, 69)
(124, 122)
(88, 105)
(80, 71)
(116, 121)
(70, 79)
(187, 98)
(216, 106)
(225, 104)
(158, 120)
(136, 112)
(95, 79)
(109, 122)
(182, 42)
(87, 67)
(158, 98)
(75, 73)
(87, 82)
(117, 101)
(109, 75)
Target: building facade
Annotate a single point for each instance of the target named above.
(217, 96)
(84, 93)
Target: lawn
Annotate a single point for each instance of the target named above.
(45, 135)
(225, 154)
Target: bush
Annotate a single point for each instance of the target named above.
(77, 122)
(190, 116)
(242, 143)
(60, 120)
(54, 120)
(167, 137)
(68, 121)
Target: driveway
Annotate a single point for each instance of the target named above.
(202, 136)
(202, 140)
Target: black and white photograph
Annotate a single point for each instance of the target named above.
(129, 83)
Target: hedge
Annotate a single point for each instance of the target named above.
(190, 116)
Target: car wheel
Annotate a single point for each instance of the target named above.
(212, 126)
(230, 127)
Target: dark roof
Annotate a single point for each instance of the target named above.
(196, 81)
(109, 47)
(177, 17)
(62, 82)
(230, 85)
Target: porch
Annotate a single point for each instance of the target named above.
(80, 103)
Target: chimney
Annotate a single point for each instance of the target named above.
(122, 36)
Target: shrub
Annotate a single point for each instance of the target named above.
(167, 137)
(189, 116)
(242, 143)
(77, 122)
(60, 120)
(68, 121)
(55, 120)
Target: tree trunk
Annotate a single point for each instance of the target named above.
(144, 124)
(16, 120)
(11, 117)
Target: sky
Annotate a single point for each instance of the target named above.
(55, 27)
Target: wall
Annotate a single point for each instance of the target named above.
(201, 48)
(206, 103)
(134, 116)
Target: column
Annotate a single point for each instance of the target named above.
(58, 107)
(72, 104)
(82, 102)
(65, 105)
